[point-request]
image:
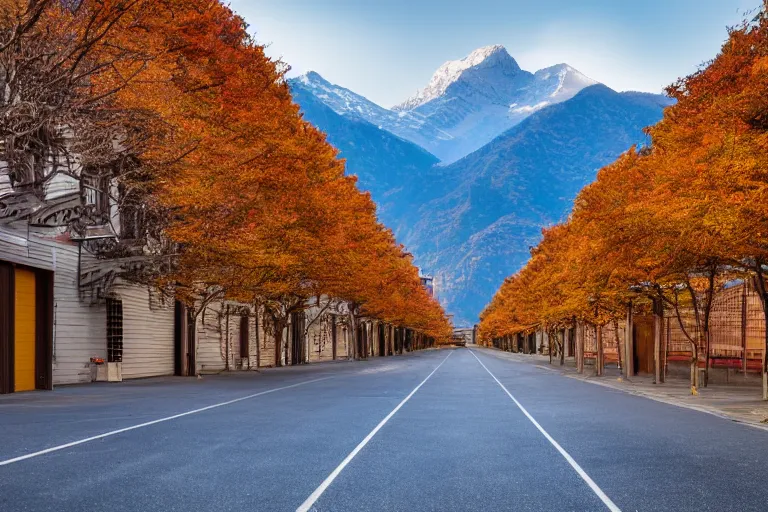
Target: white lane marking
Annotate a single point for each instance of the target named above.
(575, 465)
(153, 422)
(307, 505)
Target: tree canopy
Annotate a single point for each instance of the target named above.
(239, 196)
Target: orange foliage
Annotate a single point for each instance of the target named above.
(672, 222)
(254, 201)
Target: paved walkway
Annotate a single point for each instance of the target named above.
(735, 402)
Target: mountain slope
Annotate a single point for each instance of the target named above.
(466, 104)
(479, 233)
(410, 126)
(392, 169)
(488, 73)
(481, 96)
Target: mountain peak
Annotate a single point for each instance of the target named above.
(311, 76)
(481, 55)
(564, 80)
(494, 56)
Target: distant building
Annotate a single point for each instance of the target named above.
(467, 334)
(427, 283)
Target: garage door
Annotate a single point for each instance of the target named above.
(24, 331)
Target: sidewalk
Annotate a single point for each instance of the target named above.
(737, 403)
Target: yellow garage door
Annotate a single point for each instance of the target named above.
(24, 332)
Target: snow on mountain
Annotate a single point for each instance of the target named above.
(495, 56)
(565, 81)
(467, 103)
(549, 86)
(483, 95)
(479, 231)
(341, 100)
(411, 126)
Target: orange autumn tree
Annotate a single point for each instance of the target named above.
(674, 222)
(281, 213)
(238, 196)
(273, 201)
(721, 130)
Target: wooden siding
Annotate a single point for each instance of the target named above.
(266, 343)
(79, 325)
(210, 339)
(218, 339)
(148, 345)
(319, 335)
(79, 331)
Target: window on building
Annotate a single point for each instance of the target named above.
(133, 212)
(114, 330)
(96, 193)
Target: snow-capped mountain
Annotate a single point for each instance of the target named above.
(480, 230)
(466, 104)
(525, 143)
(411, 126)
(481, 96)
(395, 171)
(564, 81)
(492, 65)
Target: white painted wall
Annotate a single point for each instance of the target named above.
(218, 336)
(79, 328)
(148, 332)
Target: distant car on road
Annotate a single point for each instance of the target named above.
(459, 341)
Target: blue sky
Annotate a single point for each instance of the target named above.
(386, 49)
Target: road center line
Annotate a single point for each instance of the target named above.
(153, 422)
(583, 474)
(307, 505)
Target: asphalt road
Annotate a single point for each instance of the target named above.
(437, 430)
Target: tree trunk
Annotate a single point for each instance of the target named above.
(258, 341)
(549, 344)
(765, 350)
(764, 300)
(658, 316)
(618, 344)
(562, 349)
(599, 359)
(694, 376)
(353, 330)
(706, 355)
(761, 289)
(629, 364)
(580, 348)
(279, 326)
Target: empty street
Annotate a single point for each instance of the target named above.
(451, 429)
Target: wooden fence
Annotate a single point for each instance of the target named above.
(737, 330)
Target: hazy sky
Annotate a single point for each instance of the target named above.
(386, 49)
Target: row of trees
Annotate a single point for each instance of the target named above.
(669, 224)
(191, 128)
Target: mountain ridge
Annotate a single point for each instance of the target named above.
(467, 103)
(495, 56)
(479, 232)
(470, 223)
